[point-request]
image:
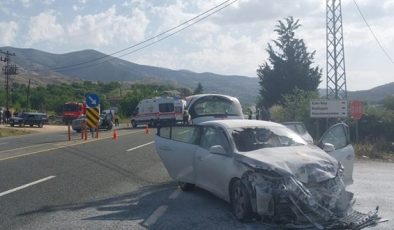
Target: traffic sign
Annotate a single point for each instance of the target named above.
(324, 108)
(92, 117)
(356, 109)
(92, 100)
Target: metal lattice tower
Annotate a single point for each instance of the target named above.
(336, 74)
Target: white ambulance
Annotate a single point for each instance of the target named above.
(159, 110)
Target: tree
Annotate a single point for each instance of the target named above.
(199, 89)
(388, 102)
(289, 66)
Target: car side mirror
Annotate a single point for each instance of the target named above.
(217, 149)
(328, 147)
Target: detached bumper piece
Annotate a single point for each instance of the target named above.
(356, 220)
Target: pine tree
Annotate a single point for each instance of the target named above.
(289, 66)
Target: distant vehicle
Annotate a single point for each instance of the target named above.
(299, 128)
(204, 107)
(105, 122)
(160, 110)
(263, 168)
(30, 119)
(73, 110)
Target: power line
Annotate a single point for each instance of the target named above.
(110, 56)
(373, 34)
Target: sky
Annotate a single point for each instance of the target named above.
(232, 41)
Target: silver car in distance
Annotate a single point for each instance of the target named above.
(265, 170)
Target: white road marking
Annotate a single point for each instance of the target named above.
(140, 146)
(174, 194)
(156, 215)
(4, 143)
(26, 185)
(79, 142)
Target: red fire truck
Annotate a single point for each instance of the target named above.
(73, 110)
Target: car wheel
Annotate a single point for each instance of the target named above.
(134, 124)
(12, 125)
(20, 124)
(240, 202)
(40, 125)
(186, 186)
(31, 125)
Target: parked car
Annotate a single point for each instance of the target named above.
(29, 118)
(105, 122)
(262, 168)
(299, 128)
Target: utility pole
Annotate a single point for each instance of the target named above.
(28, 97)
(7, 70)
(336, 75)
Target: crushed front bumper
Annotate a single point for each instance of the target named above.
(288, 203)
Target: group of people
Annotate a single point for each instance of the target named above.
(261, 114)
(4, 116)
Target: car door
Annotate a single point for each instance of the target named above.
(338, 136)
(176, 147)
(212, 168)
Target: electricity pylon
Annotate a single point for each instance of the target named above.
(336, 74)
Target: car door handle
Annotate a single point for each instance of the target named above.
(165, 148)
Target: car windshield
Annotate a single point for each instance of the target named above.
(296, 127)
(252, 138)
(71, 107)
(215, 105)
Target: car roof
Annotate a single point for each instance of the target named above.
(197, 96)
(292, 122)
(235, 123)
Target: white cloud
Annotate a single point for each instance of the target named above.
(25, 3)
(48, 2)
(80, 6)
(9, 31)
(107, 28)
(44, 27)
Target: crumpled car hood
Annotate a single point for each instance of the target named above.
(306, 163)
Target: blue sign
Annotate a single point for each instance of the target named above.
(92, 100)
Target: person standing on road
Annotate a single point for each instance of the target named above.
(7, 116)
(116, 119)
(186, 117)
(265, 114)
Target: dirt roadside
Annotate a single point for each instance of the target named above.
(45, 129)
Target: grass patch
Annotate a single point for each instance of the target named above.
(373, 151)
(6, 132)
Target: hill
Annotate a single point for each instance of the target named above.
(45, 68)
(42, 67)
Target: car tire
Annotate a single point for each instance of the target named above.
(12, 125)
(240, 202)
(185, 186)
(31, 125)
(40, 125)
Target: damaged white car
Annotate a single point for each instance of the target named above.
(265, 170)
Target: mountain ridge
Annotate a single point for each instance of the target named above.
(49, 68)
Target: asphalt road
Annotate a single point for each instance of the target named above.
(122, 184)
